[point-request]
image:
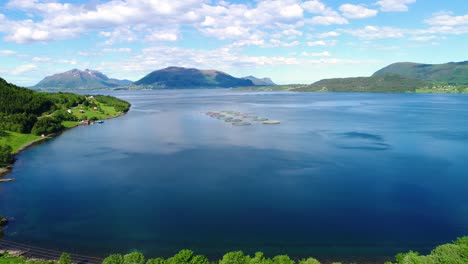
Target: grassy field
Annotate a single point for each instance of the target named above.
(17, 140)
(70, 124)
(102, 112)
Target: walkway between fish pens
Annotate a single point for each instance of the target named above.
(28, 251)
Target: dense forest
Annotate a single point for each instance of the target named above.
(452, 253)
(29, 112)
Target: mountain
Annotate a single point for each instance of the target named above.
(260, 82)
(177, 77)
(455, 73)
(77, 79)
(379, 83)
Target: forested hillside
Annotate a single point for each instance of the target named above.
(26, 114)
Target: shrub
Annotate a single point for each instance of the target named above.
(134, 258)
(65, 258)
(114, 259)
(236, 257)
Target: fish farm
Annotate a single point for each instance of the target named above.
(241, 119)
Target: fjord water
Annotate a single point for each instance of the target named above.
(342, 175)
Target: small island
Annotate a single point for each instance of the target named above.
(28, 117)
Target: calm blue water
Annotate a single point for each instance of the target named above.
(343, 175)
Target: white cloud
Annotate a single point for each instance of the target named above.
(292, 11)
(375, 32)
(447, 19)
(41, 59)
(7, 52)
(357, 11)
(118, 35)
(328, 17)
(23, 68)
(279, 43)
(322, 43)
(163, 36)
(116, 50)
(314, 6)
(316, 43)
(394, 5)
(319, 54)
(328, 34)
(424, 38)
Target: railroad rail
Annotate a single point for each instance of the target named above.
(33, 252)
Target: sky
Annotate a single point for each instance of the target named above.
(290, 41)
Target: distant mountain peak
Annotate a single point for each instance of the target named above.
(260, 81)
(180, 77)
(79, 79)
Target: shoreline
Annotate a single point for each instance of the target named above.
(6, 170)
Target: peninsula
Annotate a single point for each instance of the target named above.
(28, 117)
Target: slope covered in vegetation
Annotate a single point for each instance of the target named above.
(26, 114)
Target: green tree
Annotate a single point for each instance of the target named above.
(309, 261)
(236, 257)
(46, 125)
(259, 258)
(199, 259)
(65, 258)
(114, 259)
(5, 154)
(183, 257)
(450, 254)
(134, 258)
(62, 115)
(156, 261)
(284, 259)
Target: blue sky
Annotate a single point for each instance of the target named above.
(291, 41)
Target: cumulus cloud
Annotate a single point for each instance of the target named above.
(116, 50)
(23, 68)
(328, 34)
(223, 58)
(357, 11)
(328, 43)
(394, 5)
(376, 32)
(317, 54)
(447, 19)
(314, 6)
(328, 17)
(120, 21)
(7, 52)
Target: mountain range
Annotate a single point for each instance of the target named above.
(167, 78)
(397, 77)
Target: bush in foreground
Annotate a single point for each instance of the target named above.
(454, 253)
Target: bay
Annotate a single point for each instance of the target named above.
(344, 174)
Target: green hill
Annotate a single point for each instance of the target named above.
(25, 114)
(452, 73)
(381, 83)
(177, 77)
(77, 79)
